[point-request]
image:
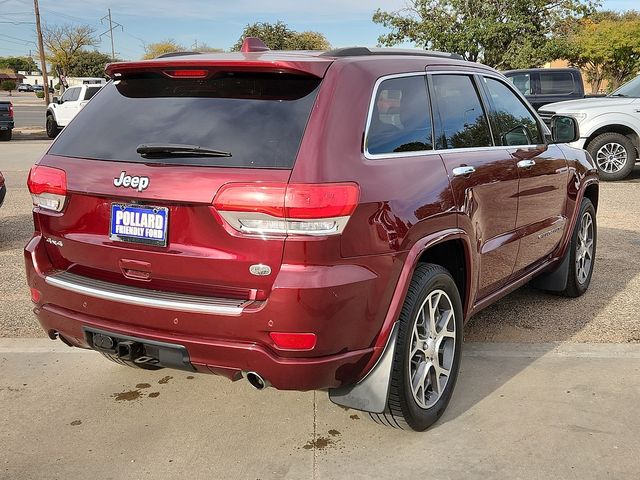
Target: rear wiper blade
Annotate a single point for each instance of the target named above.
(618, 95)
(178, 149)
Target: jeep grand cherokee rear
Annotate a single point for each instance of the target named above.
(304, 220)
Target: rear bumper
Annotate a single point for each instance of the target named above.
(6, 125)
(339, 309)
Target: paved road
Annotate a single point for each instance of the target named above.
(519, 412)
(29, 115)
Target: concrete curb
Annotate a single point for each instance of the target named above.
(30, 134)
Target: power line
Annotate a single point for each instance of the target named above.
(112, 25)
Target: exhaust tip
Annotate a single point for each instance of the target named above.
(257, 381)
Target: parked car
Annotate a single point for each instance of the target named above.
(25, 87)
(541, 86)
(609, 128)
(3, 189)
(6, 120)
(38, 88)
(62, 110)
(312, 225)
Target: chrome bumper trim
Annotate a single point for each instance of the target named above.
(147, 298)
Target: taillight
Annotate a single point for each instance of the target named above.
(287, 209)
(10, 110)
(48, 187)
(293, 341)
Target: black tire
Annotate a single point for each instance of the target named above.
(52, 127)
(576, 286)
(613, 139)
(5, 135)
(403, 410)
(126, 363)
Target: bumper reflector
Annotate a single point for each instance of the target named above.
(293, 341)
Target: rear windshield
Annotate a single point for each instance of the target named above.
(259, 118)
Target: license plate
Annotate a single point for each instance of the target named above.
(139, 224)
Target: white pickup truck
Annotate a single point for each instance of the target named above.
(609, 128)
(62, 110)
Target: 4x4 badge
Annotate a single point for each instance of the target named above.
(128, 181)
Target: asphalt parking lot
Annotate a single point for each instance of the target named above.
(548, 389)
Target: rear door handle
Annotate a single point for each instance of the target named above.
(462, 171)
(526, 163)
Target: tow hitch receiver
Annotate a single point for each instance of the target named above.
(138, 350)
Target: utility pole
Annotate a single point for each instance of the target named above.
(43, 61)
(112, 25)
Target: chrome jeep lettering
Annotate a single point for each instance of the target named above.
(124, 180)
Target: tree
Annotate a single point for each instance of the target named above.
(153, 50)
(16, 64)
(8, 86)
(205, 48)
(63, 43)
(278, 36)
(605, 46)
(89, 64)
(502, 33)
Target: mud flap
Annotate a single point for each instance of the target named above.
(370, 394)
(555, 280)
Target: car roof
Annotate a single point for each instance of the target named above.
(312, 62)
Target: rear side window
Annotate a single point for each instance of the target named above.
(462, 122)
(257, 117)
(90, 92)
(522, 81)
(556, 83)
(512, 121)
(400, 119)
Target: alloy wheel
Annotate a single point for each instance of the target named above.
(611, 157)
(432, 350)
(584, 248)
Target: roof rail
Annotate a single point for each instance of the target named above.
(364, 51)
(177, 54)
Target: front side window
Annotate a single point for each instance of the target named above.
(462, 121)
(68, 95)
(401, 119)
(513, 123)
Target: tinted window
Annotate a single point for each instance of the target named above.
(557, 83)
(90, 92)
(258, 117)
(69, 95)
(462, 121)
(401, 120)
(522, 81)
(513, 123)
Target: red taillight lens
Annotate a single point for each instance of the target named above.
(293, 341)
(48, 187)
(267, 198)
(280, 208)
(190, 73)
(321, 201)
(11, 110)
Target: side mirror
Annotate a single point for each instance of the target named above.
(564, 129)
(56, 100)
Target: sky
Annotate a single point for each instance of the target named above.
(218, 23)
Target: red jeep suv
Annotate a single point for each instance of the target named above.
(305, 220)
